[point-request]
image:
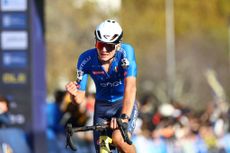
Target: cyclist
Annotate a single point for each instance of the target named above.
(112, 66)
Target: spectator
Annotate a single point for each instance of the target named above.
(55, 131)
(55, 113)
(4, 112)
(147, 109)
(74, 114)
(9, 134)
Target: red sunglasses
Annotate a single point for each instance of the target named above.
(109, 47)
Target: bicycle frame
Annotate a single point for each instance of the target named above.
(105, 141)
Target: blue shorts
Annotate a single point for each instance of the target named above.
(104, 111)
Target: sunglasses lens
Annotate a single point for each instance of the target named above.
(99, 45)
(108, 47)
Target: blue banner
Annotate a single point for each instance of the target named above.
(14, 21)
(15, 59)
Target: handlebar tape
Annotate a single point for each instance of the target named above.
(123, 128)
(69, 142)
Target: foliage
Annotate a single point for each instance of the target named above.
(201, 37)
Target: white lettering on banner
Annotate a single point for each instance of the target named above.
(13, 5)
(17, 118)
(14, 40)
(14, 59)
(111, 84)
(14, 21)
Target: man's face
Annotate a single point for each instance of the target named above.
(3, 107)
(105, 51)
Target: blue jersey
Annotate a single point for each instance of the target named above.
(109, 85)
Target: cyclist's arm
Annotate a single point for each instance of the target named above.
(77, 88)
(129, 95)
(130, 81)
(77, 96)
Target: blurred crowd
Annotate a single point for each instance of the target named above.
(4, 112)
(177, 128)
(62, 111)
(160, 128)
(12, 139)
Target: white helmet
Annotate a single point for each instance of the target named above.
(109, 31)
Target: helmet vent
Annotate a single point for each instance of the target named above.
(114, 36)
(98, 33)
(113, 21)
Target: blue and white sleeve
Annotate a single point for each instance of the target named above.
(82, 76)
(130, 60)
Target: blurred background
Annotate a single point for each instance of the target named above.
(183, 56)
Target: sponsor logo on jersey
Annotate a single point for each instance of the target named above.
(98, 72)
(116, 69)
(111, 84)
(79, 75)
(124, 63)
(86, 60)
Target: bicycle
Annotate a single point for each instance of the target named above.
(104, 140)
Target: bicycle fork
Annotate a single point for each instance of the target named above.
(105, 141)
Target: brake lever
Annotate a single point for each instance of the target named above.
(69, 141)
(123, 132)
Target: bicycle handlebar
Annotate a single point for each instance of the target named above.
(69, 142)
(70, 130)
(90, 128)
